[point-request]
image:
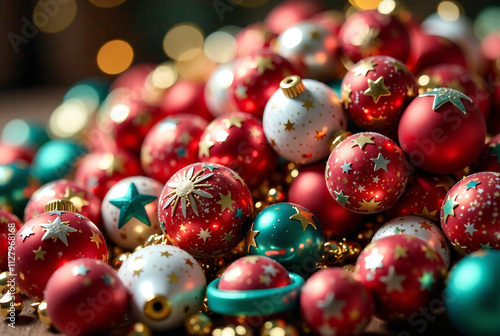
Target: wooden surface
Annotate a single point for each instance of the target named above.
(38, 104)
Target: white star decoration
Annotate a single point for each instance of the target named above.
(57, 229)
(372, 262)
(28, 231)
(393, 280)
(331, 306)
(269, 269)
(346, 167)
(80, 270)
(204, 234)
(380, 162)
(470, 229)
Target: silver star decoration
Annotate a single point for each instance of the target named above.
(346, 167)
(204, 234)
(80, 270)
(374, 261)
(269, 269)
(470, 229)
(331, 306)
(393, 280)
(57, 229)
(380, 162)
(28, 231)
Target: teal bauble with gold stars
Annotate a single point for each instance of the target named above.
(288, 233)
(472, 294)
(56, 160)
(16, 187)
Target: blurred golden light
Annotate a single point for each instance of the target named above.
(69, 119)
(197, 69)
(106, 3)
(291, 38)
(424, 80)
(119, 113)
(386, 6)
(448, 10)
(220, 47)
(365, 4)
(115, 57)
(53, 17)
(183, 41)
(252, 3)
(164, 76)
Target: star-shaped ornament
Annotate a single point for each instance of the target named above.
(446, 95)
(132, 205)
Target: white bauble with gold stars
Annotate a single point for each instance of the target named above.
(418, 227)
(166, 285)
(129, 211)
(302, 118)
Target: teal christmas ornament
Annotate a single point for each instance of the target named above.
(25, 133)
(16, 187)
(56, 159)
(289, 234)
(91, 91)
(472, 294)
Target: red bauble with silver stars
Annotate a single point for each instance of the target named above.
(458, 78)
(205, 209)
(309, 190)
(404, 274)
(366, 173)
(85, 202)
(9, 225)
(334, 302)
(85, 297)
(256, 77)
(369, 32)
(490, 156)
(442, 131)
(171, 145)
(127, 118)
(470, 216)
(50, 240)
(237, 141)
(252, 38)
(375, 91)
(423, 196)
(101, 169)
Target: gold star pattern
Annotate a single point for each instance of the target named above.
(430, 215)
(228, 237)
(378, 122)
(362, 140)
(377, 89)
(319, 135)
(398, 66)
(345, 95)
(400, 252)
(4, 219)
(39, 254)
(251, 259)
(110, 164)
(166, 254)
(173, 278)
(205, 145)
(96, 239)
(254, 132)
(304, 217)
(289, 126)
(137, 272)
(430, 253)
(425, 226)
(233, 120)
(369, 206)
(225, 202)
(183, 228)
(251, 238)
(410, 91)
(308, 104)
(459, 248)
(189, 262)
(78, 199)
(363, 67)
(261, 64)
(146, 156)
(21, 274)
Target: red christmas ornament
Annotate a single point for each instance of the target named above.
(134, 78)
(458, 78)
(237, 141)
(85, 297)
(10, 154)
(185, 97)
(127, 119)
(252, 38)
(9, 225)
(334, 302)
(423, 196)
(171, 145)
(205, 208)
(369, 32)
(442, 131)
(50, 240)
(101, 169)
(256, 78)
(366, 173)
(375, 91)
(404, 274)
(428, 50)
(309, 190)
(85, 202)
(489, 160)
(470, 216)
(290, 12)
(332, 20)
(254, 272)
(490, 48)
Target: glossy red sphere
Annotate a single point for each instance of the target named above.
(289, 12)
(185, 97)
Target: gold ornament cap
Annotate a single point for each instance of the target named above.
(60, 205)
(337, 138)
(158, 307)
(292, 86)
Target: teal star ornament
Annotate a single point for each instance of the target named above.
(446, 95)
(132, 205)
